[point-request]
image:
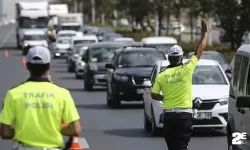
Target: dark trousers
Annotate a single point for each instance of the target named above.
(177, 130)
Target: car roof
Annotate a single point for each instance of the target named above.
(66, 31)
(136, 49)
(34, 32)
(244, 48)
(124, 39)
(85, 37)
(72, 24)
(63, 38)
(202, 62)
(159, 40)
(107, 44)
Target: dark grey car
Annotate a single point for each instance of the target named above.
(96, 56)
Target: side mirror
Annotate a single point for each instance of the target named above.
(147, 83)
(243, 102)
(228, 71)
(109, 66)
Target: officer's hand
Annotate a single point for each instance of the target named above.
(204, 27)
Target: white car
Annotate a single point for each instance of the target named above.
(125, 40)
(86, 39)
(62, 45)
(161, 43)
(210, 84)
(66, 33)
(35, 37)
(79, 64)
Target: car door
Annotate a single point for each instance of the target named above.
(152, 101)
(243, 90)
(110, 73)
(232, 109)
(238, 85)
(147, 94)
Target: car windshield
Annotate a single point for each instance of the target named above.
(63, 41)
(75, 28)
(207, 75)
(162, 47)
(139, 59)
(66, 35)
(34, 37)
(103, 54)
(27, 22)
(84, 42)
(78, 47)
(212, 56)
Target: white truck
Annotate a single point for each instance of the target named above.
(71, 21)
(30, 15)
(54, 11)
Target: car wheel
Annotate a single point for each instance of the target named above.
(88, 86)
(77, 76)
(147, 123)
(155, 130)
(115, 100)
(108, 99)
(229, 140)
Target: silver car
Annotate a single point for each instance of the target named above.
(61, 47)
(73, 56)
(79, 64)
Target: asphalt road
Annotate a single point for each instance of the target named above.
(103, 128)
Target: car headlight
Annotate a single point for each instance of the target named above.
(223, 101)
(26, 44)
(82, 63)
(121, 77)
(93, 67)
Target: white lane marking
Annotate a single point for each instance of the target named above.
(7, 37)
(83, 143)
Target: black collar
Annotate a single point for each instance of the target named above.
(38, 79)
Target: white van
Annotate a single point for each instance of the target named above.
(86, 39)
(161, 43)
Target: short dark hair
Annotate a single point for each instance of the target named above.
(175, 60)
(38, 69)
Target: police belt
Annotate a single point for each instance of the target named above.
(178, 110)
(23, 146)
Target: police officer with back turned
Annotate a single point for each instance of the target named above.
(175, 83)
(36, 108)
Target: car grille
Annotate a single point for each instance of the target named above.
(208, 104)
(139, 80)
(213, 121)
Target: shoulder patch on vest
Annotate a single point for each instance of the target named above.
(17, 85)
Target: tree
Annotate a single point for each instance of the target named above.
(137, 9)
(234, 19)
(194, 10)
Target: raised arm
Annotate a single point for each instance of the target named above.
(203, 42)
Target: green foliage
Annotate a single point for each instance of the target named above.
(234, 18)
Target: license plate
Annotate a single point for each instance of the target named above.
(140, 91)
(204, 115)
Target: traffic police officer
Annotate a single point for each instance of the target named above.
(175, 83)
(36, 108)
